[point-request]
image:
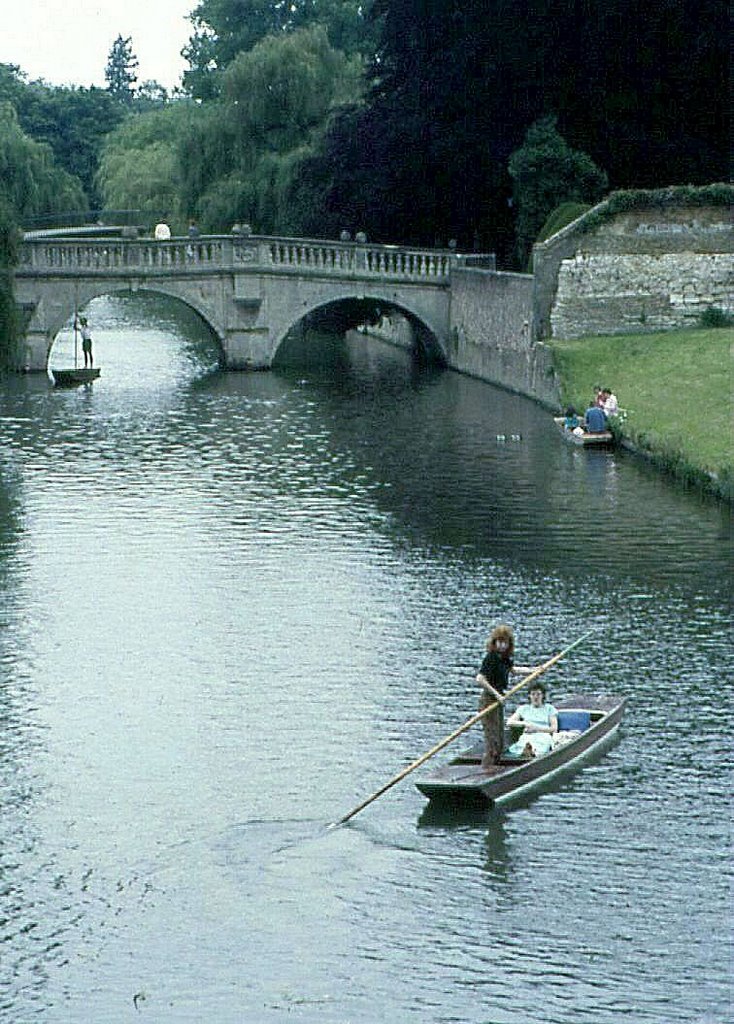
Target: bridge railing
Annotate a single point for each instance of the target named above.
(121, 256)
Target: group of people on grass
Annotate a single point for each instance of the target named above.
(538, 719)
(594, 420)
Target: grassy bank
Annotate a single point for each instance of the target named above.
(677, 389)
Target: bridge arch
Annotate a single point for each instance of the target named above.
(367, 309)
(85, 291)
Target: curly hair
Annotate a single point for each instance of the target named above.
(502, 632)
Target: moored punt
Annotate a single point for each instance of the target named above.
(586, 721)
(604, 438)
(75, 376)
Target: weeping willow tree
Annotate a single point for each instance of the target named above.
(234, 158)
(31, 185)
(8, 311)
(275, 102)
(140, 165)
(30, 181)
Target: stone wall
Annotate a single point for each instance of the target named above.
(644, 269)
(491, 333)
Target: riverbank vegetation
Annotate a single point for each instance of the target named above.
(8, 308)
(675, 390)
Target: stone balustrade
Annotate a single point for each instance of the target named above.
(216, 253)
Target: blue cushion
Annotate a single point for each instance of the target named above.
(580, 720)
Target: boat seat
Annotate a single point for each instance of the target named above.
(578, 721)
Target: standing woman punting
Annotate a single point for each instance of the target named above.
(493, 675)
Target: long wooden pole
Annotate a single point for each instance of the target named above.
(462, 728)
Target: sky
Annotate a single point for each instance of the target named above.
(67, 42)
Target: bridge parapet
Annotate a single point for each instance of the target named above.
(218, 253)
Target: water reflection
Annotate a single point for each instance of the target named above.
(292, 575)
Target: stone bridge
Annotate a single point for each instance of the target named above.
(251, 290)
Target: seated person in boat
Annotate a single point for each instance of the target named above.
(571, 420)
(539, 721)
(611, 405)
(595, 422)
(492, 677)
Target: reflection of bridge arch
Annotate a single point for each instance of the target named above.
(251, 291)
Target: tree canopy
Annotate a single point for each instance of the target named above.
(546, 172)
(30, 181)
(72, 121)
(456, 85)
(275, 100)
(225, 28)
(416, 122)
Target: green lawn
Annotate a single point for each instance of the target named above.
(676, 387)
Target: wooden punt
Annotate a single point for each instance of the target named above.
(603, 439)
(73, 377)
(463, 782)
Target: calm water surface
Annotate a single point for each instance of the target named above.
(233, 605)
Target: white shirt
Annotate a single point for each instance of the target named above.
(611, 406)
(162, 232)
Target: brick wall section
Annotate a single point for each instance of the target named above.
(647, 269)
(491, 333)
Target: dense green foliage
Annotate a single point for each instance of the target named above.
(457, 84)
(675, 387)
(233, 159)
(401, 117)
(563, 215)
(8, 309)
(226, 28)
(140, 166)
(30, 181)
(545, 171)
(72, 121)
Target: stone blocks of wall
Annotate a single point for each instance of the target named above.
(650, 268)
(601, 293)
(491, 336)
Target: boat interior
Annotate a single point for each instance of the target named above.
(571, 722)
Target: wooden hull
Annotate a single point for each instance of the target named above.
(464, 782)
(603, 440)
(72, 378)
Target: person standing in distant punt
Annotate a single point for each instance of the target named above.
(83, 326)
(493, 674)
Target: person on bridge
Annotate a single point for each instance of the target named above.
(162, 232)
(492, 677)
(86, 333)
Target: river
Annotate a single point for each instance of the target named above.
(234, 605)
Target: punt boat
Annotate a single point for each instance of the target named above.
(603, 439)
(585, 723)
(73, 377)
